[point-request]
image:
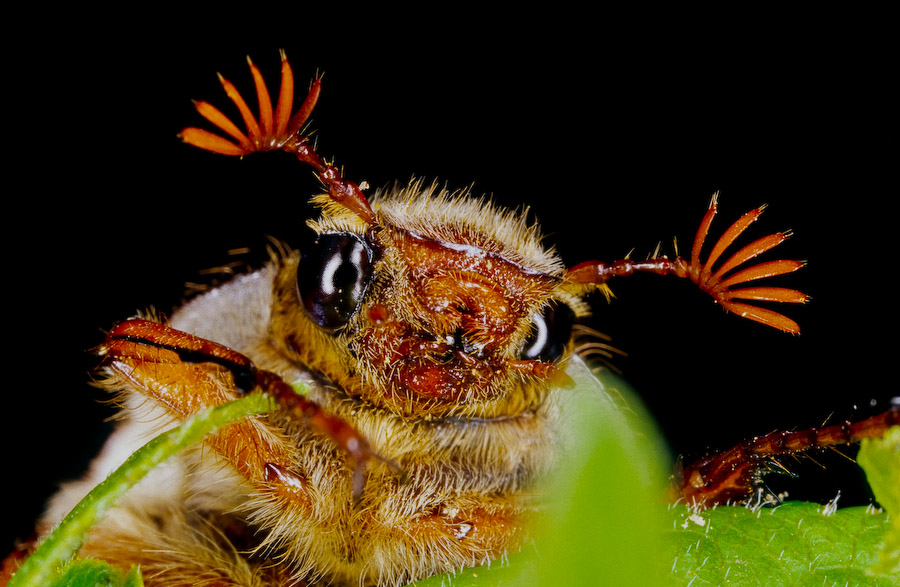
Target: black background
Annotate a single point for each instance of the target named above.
(615, 134)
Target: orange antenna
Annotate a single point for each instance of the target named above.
(276, 130)
(597, 273)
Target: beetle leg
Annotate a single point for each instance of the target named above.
(183, 372)
(732, 476)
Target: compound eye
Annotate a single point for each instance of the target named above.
(552, 330)
(334, 272)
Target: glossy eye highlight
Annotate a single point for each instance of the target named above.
(334, 272)
(552, 330)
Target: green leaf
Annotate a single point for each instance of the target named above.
(797, 543)
(94, 573)
(605, 526)
(880, 458)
